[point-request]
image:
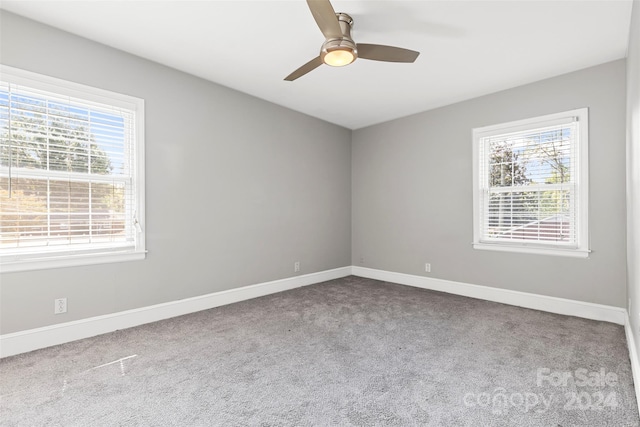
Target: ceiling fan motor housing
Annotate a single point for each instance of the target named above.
(344, 43)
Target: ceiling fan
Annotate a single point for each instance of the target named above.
(339, 49)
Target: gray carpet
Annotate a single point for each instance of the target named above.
(352, 351)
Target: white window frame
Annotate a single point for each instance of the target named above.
(480, 185)
(97, 254)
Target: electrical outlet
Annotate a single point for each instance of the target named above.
(296, 266)
(361, 260)
(59, 306)
(427, 267)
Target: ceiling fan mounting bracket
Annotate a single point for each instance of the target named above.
(346, 23)
(343, 17)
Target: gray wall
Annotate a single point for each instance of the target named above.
(412, 191)
(633, 173)
(238, 189)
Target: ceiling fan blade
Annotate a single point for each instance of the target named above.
(325, 17)
(309, 66)
(378, 52)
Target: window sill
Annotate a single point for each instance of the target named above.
(574, 253)
(62, 261)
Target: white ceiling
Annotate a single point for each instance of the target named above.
(468, 48)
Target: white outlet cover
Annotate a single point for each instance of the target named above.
(60, 306)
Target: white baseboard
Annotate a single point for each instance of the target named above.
(33, 339)
(633, 357)
(521, 299)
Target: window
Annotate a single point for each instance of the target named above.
(531, 185)
(71, 173)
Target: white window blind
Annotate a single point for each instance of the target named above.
(531, 184)
(70, 171)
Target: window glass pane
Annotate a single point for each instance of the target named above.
(23, 216)
(108, 212)
(78, 212)
(24, 131)
(507, 165)
(535, 157)
(549, 155)
(531, 215)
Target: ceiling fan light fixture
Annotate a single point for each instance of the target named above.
(339, 52)
(339, 57)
